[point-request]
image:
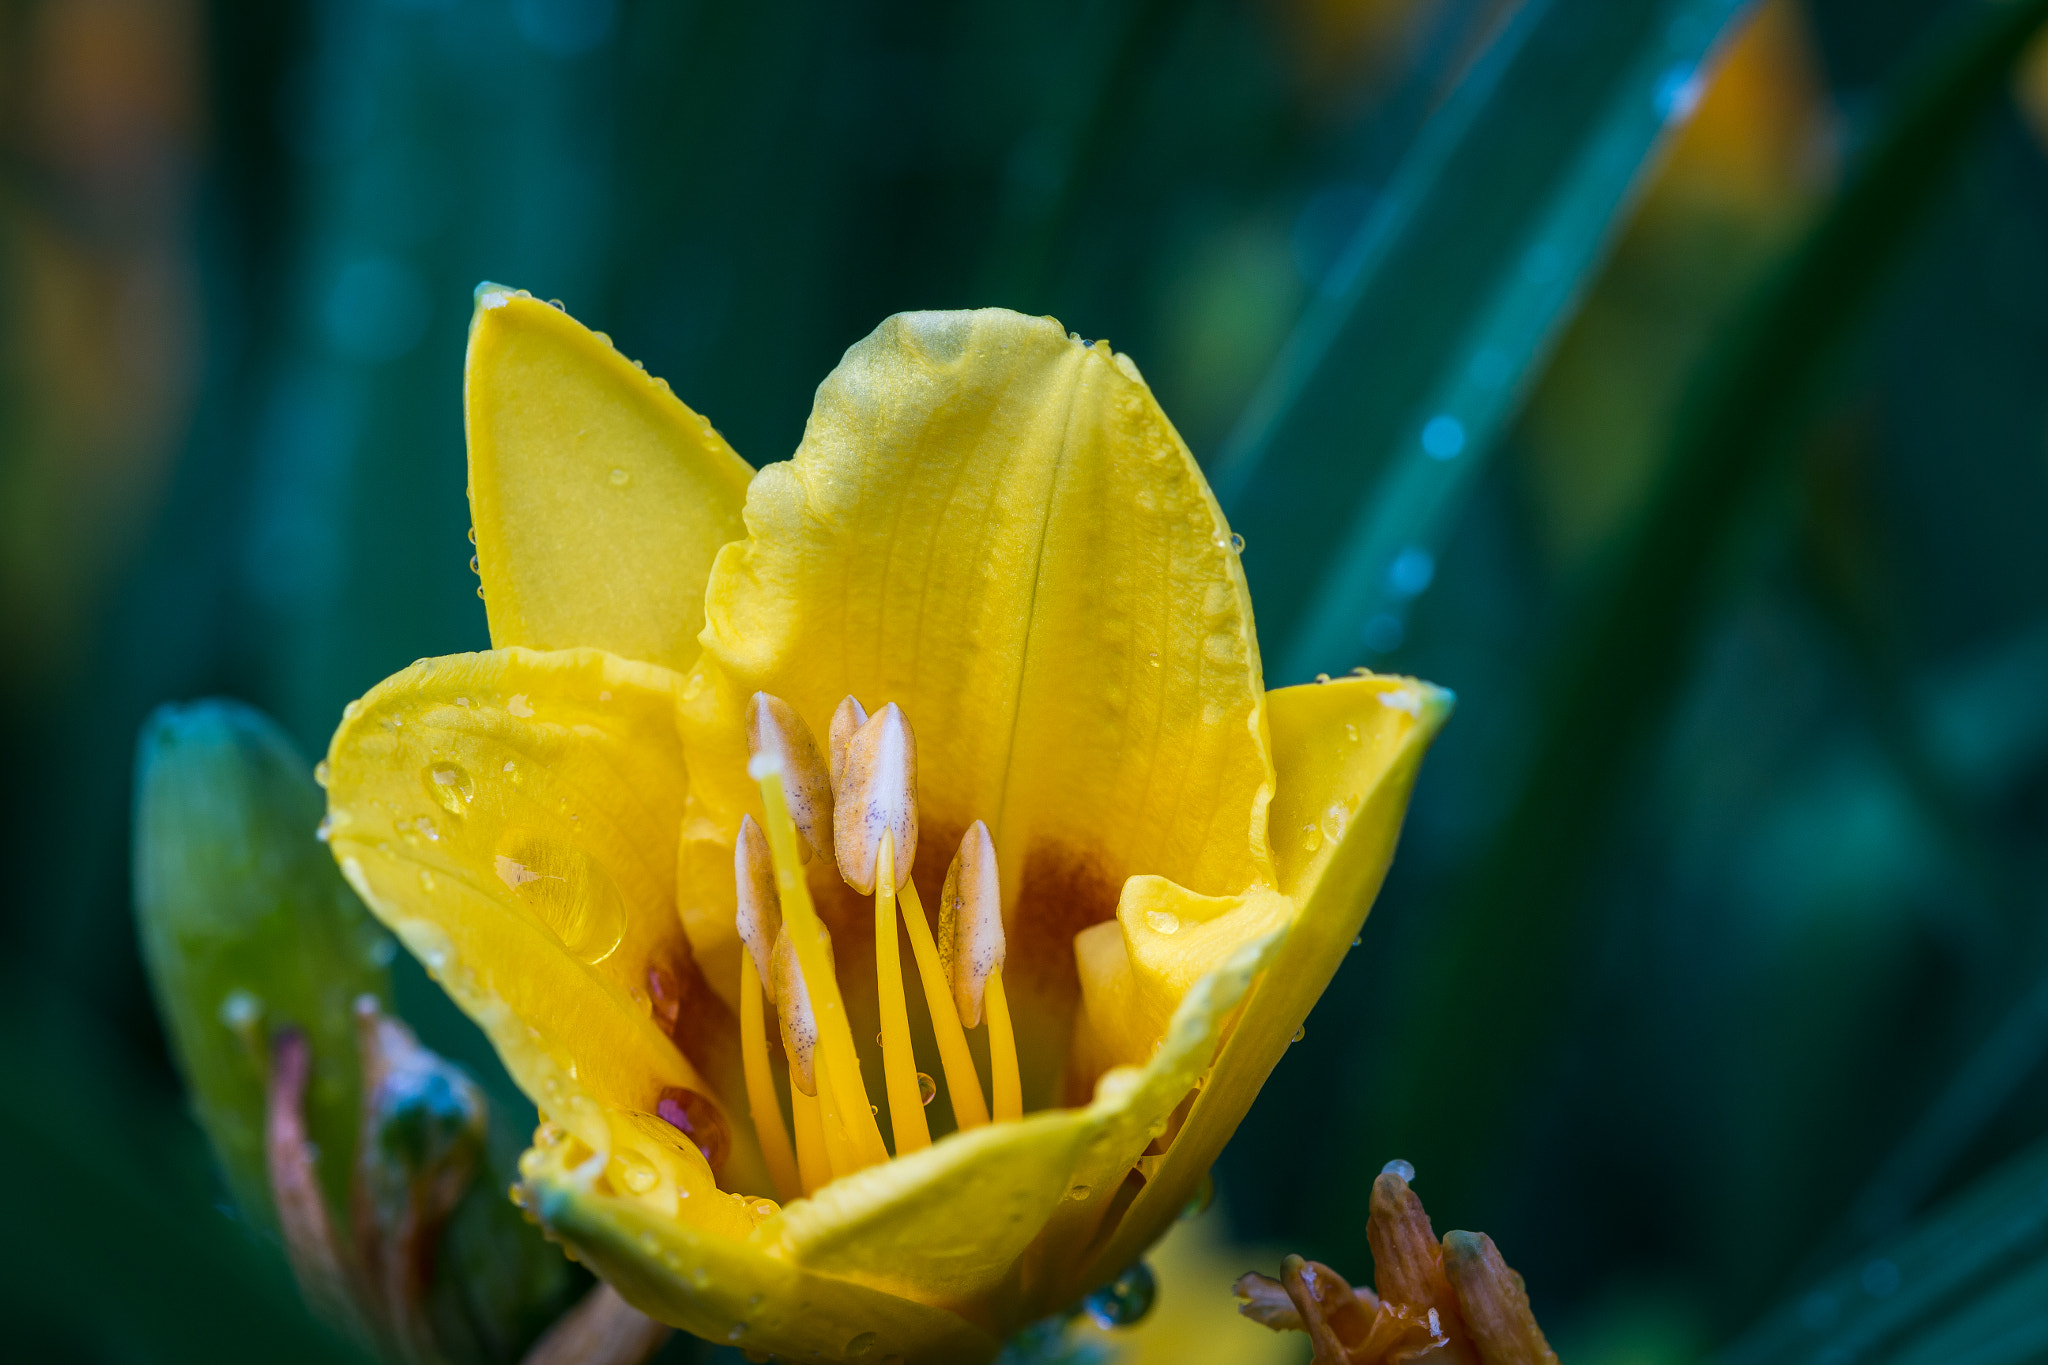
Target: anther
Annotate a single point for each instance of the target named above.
(760, 905)
(774, 728)
(793, 1009)
(849, 717)
(877, 793)
(971, 944)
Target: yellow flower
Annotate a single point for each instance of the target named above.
(993, 538)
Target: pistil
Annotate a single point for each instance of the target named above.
(841, 1094)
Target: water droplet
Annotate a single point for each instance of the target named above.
(508, 766)
(1236, 543)
(1400, 1168)
(519, 707)
(1322, 677)
(474, 567)
(320, 772)
(1204, 1195)
(1163, 921)
(927, 1088)
(472, 535)
(479, 590)
(427, 882)
(1334, 818)
(1356, 941)
(324, 831)
(698, 1119)
(352, 710)
(556, 304)
(1351, 731)
(452, 786)
(240, 1009)
(620, 478)
(1311, 837)
(1125, 1299)
(566, 890)
(639, 1177)
(861, 1344)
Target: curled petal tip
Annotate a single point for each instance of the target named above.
(878, 794)
(760, 904)
(776, 733)
(971, 941)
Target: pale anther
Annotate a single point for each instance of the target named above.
(793, 1010)
(760, 904)
(877, 793)
(774, 729)
(971, 943)
(849, 717)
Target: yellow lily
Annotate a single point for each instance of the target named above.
(992, 537)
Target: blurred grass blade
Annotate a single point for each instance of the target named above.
(247, 928)
(1513, 928)
(1416, 350)
(1969, 1284)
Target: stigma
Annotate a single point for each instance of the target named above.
(856, 802)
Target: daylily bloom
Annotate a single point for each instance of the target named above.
(984, 639)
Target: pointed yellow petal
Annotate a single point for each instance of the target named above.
(994, 526)
(947, 1225)
(599, 499)
(1346, 754)
(734, 1292)
(512, 816)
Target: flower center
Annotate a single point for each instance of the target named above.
(860, 810)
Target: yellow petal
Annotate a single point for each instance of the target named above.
(995, 527)
(599, 499)
(950, 1224)
(512, 816)
(734, 1292)
(1346, 754)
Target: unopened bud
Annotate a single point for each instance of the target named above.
(760, 904)
(774, 729)
(971, 943)
(878, 790)
(850, 716)
(794, 1011)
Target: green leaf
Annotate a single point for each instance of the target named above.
(247, 927)
(1967, 1284)
(1397, 382)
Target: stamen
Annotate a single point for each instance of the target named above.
(899, 1063)
(971, 942)
(963, 1083)
(760, 907)
(1004, 1082)
(761, 1102)
(811, 1159)
(774, 727)
(850, 716)
(877, 794)
(806, 932)
(794, 1011)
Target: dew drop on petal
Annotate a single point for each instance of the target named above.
(452, 786)
(1163, 921)
(1125, 1300)
(927, 1088)
(320, 772)
(698, 1119)
(519, 707)
(1299, 1034)
(620, 478)
(1334, 818)
(1351, 731)
(1311, 837)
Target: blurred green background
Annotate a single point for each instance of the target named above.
(1714, 957)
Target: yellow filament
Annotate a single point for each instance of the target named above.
(1002, 1050)
(844, 1096)
(761, 1102)
(842, 1153)
(899, 1063)
(811, 1157)
(963, 1083)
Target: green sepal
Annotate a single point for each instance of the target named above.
(247, 927)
